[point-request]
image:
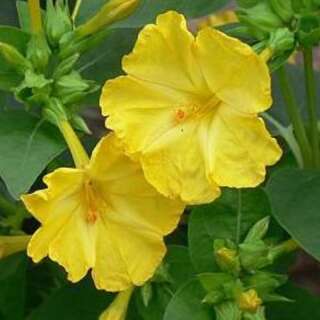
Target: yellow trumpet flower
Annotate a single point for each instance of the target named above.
(188, 109)
(102, 215)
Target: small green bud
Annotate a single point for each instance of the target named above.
(57, 21)
(14, 58)
(227, 259)
(66, 66)
(72, 87)
(261, 19)
(228, 311)
(78, 123)
(283, 248)
(54, 111)
(254, 255)
(281, 40)
(38, 52)
(258, 231)
(111, 12)
(283, 9)
(146, 293)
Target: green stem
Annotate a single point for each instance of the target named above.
(239, 217)
(312, 103)
(76, 10)
(294, 116)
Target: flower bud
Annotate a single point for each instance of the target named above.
(54, 111)
(259, 230)
(117, 310)
(281, 40)
(213, 297)
(14, 58)
(249, 301)
(227, 311)
(227, 259)
(78, 123)
(38, 52)
(254, 255)
(57, 21)
(258, 315)
(12, 244)
(65, 66)
(283, 9)
(112, 11)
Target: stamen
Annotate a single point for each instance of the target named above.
(180, 115)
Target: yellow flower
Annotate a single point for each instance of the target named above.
(188, 109)
(12, 244)
(219, 19)
(102, 216)
(117, 310)
(249, 301)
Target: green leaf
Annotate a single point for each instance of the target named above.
(17, 38)
(73, 302)
(295, 202)
(305, 305)
(149, 9)
(218, 220)
(8, 12)
(12, 286)
(187, 304)
(27, 145)
(180, 270)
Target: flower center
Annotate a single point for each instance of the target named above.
(196, 110)
(93, 203)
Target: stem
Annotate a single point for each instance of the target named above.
(294, 115)
(76, 10)
(312, 103)
(79, 155)
(239, 217)
(287, 134)
(35, 16)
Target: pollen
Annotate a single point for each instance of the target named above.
(91, 199)
(180, 115)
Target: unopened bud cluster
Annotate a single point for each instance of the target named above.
(47, 68)
(243, 285)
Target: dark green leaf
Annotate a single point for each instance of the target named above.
(73, 302)
(12, 286)
(295, 202)
(187, 304)
(27, 145)
(218, 221)
(305, 305)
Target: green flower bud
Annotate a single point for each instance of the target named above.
(66, 66)
(72, 87)
(283, 9)
(227, 259)
(14, 58)
(281, 40)
(283, 248)
(57, 21)
(54, 111)
(254, 255)
(146, 293)
(228, 311)
(112, 11)
(258, 231)
(261, 19)
(38, 52)
(78, 123)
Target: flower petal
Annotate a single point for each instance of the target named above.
(237, 148)
(163, 54)
(233, 71)
(140, 112)
(175, 166)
